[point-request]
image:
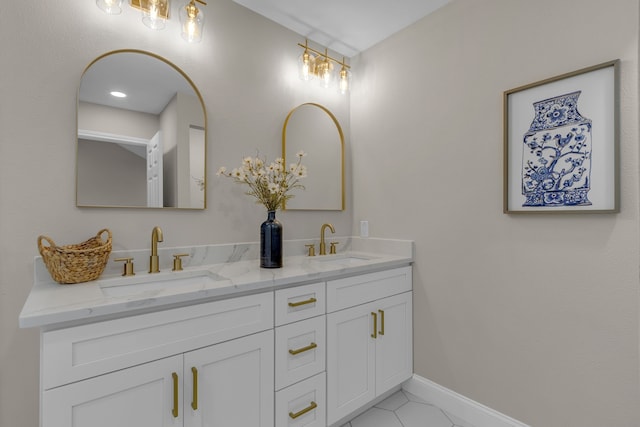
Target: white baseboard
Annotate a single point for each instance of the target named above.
(458, 405)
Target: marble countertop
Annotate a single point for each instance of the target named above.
(211, 272)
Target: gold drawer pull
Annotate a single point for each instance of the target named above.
(299, 303)
(174, 411)
(303, 349)
(375, 324)
(311, 407)
(381, 321)
(194, 401)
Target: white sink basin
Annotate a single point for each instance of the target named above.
(342, 259)
(153, 283)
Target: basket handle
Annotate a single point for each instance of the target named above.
(99, 235)
(41, 247)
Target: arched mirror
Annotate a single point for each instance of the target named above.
(313, 129)
(141, 134)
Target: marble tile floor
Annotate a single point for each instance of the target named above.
(403, 409)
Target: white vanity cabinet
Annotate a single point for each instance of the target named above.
(369, 338)
(292, 355)
(179, 367)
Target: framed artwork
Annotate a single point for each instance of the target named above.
(561, 143)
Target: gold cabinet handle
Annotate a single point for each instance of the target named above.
(174, 411)
(299, 303)
(194, 401)
(303, 349)
(311, 407)
(375, 324)
(381, 321)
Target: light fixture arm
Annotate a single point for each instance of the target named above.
(322, 54)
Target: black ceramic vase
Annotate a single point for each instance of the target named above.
(271, 242)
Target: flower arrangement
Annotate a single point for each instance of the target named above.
(269, 183)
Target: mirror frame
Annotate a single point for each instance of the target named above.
(284, 152)
(204, 112)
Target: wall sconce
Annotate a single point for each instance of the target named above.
(156, 12)
(315, 64)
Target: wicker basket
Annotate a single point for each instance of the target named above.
(76, 263)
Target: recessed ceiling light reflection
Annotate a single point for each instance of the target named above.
(118, 94)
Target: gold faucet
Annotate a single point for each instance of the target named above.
(323, 246)
(156, 236)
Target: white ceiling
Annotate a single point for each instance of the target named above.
(344, 26)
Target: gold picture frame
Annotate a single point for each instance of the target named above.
(561, 143)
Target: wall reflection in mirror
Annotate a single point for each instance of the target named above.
(141, 134)
(313, 129)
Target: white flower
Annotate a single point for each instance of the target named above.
(301, 153)
(275, 168)
(221, 171)
(293, 167)
(238, 174)
(273, 188)
(248, 161)
(301, 172)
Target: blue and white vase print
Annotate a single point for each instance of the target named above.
(556, 159)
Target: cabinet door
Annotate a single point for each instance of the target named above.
(234, 385)
(350, 361)
(394, 344)
(142, 396)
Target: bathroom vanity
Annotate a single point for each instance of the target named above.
(225, 343)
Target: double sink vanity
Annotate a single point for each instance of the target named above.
(223, 342)
(216, 341)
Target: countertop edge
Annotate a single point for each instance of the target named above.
(84, 312)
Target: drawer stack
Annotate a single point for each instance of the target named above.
(300, 339)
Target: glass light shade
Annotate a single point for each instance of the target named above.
(306, 66)
(345, 80)
(191, 22)
(110, 7)
(154, 14)
(325, 73)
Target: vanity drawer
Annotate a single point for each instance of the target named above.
(303, 404)
(85, 351)
(300, 350)
(299, 303)
(356, 290)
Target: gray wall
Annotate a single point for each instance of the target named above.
(110, 175)
(533, 315)
(553, 346)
